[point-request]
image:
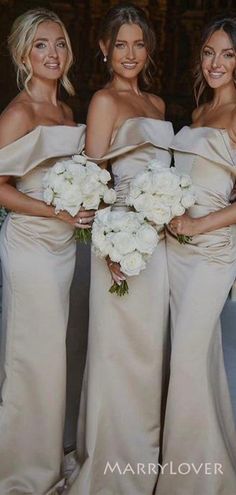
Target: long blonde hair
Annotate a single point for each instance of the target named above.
(20, 43)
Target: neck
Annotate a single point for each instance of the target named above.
(121, 84)
(44, 91)
(224, 95)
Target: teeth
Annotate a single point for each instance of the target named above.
(129, 66)
(216, 74)
(52, 66)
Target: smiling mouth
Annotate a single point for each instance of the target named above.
(216, 75)
(52, 66)
(130, 65)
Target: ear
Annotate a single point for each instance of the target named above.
(103, 48)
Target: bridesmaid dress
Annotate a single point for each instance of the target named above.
(37, 256)
(199, 436)
(119, 423)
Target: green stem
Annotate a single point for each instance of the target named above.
(83, 235)
(121, 289)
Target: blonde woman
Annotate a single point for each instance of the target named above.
(37, 254)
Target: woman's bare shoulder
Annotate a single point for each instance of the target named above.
(198, 112)
(15, 121)
(158, 102)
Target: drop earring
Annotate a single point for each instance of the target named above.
(105, 58)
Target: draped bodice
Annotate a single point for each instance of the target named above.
(27, 160)
(207, 155)
(138, 141)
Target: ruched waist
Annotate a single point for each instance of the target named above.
(51, 233)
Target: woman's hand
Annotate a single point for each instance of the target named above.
(183, 225)
(83, 219)
(115, 271)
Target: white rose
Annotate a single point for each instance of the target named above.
(185, 181)
(109, 196)
(100, 242)
(91, 201)
(79, 159)
(156, 165)
(59, 168)
(48, 195)
(132, 264)
(188, 200)
(90, 185)
(146, 239)
(143, 181)
(160, 216)
(144, 202)
(114, 254)
(170, 199)
(124, 242)
(131, 222)
(177, 210)
(104, 176)
(165, 182)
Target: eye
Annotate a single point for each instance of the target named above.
(62, 44)
(40, 45)
(207, 53)
(140, 44)
(119, 45)
(229, 55)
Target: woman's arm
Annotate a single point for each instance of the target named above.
(187, 225)
(102, 115)
(14, 124)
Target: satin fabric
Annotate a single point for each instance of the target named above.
(199, 447)
(38, 256)
(119, 418)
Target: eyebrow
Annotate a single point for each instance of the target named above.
(125, 41)
(46, 39)
(224, 49)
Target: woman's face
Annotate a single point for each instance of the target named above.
(129, 54)
(218, 60)
(48, 55)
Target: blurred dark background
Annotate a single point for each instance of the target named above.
(177, 23)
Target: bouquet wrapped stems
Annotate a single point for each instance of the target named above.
(83, 235)
(119, 289)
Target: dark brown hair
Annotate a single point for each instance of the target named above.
(228, 25)
(128, 13)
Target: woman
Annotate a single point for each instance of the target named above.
(38, 255)
(118, 449)
(199, 436)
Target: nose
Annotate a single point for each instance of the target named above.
(216, 61)
(130, 52)
(52, 51)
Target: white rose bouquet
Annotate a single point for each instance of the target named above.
(74, 183)
(160, 194)
(127, 239)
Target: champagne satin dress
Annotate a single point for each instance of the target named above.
(199, 435)
(38, 256)
(119, 420)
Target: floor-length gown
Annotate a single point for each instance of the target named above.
(119, 424)
(199, 435)
(38, 256)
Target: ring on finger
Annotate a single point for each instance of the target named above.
(80, 220)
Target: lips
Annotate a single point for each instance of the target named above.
(129, 65)
(52, 66)
(216, 75)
